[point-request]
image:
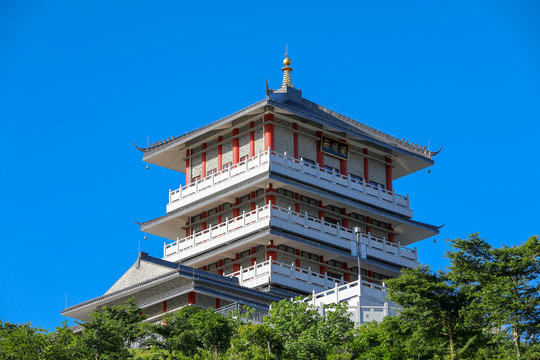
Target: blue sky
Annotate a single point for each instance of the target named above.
(79, 81)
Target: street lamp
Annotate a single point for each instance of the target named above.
(357, 233)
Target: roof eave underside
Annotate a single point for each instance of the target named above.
(340, 124)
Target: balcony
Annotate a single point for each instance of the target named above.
(286, 275)
(293, 168)
(286, 219)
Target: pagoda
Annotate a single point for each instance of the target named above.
(282, 198)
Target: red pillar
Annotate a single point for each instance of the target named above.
(346, 276)
(366, 167)
(271, 253)
(368, 228)
(391, 236)
(204, 268)
(236, 211)
(321, 212)
(251, 140)
(188, 168)
(253, 204)
(345, 222)
(191, 298)
(269, 132)
(220, 154)
(235, 147)
(165, 306)
(297, 205)
(295, 140)
(389, 174)
(298, 262)
(220, 217)
(203, 161)
(218, 303)
(203, 216)
(343, 166)
(236, 267)
(188, 231)
(270, 197)
(320, 155)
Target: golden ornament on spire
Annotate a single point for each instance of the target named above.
(287, 70)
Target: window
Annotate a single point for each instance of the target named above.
(287, 249)
(210, 172)
(311, 162)
(356, 178)
(379, 223)
(334, 275)
(227, 165)
(331, 221)
(212, 266)
(227, 261)
(226, 206)
(357, 216)
(334, 209)
(309, 200)
(308, 255)
(212, 211)
(196, 218)
(196, 178)
(244, 198)
(335, 263)
(244, 254)
(259, 192)
(260, 248)
(285, 192)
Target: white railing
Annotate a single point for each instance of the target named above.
(357, 298)
(255, 220)
(214, 233)
(270, 269)
(297, 168)
(218, 177)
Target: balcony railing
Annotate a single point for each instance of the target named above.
(299, 169)
(303, 224)
(284, 274)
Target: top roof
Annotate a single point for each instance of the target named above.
(289, 100)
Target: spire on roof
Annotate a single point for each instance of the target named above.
(287, 70)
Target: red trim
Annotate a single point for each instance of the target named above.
(204, 268)
(297, 263)
(253, 261)
(191, 298)
(188, 169)
(269, 132)
(220, 154)
(236, 267)
(218, 303)
(323, 269)
(236, 147)
(252, 140)
(295, 140)
(203, 161)
(366, 167)
(391, 237)
(272, 254)
(343, 165)
(165, 306)
(203, 216)
(368, 220)
(236, 211)
(320, 154)
(345, 222)
(389, 174)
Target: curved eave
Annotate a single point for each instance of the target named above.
(166, 154)
(416, 158)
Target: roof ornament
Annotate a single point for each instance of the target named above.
(287, 70)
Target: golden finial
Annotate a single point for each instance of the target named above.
(287, 69)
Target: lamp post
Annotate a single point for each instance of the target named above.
(357, 233)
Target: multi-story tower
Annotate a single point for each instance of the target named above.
(271, 199)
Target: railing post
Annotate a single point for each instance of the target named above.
(244, 218)
(246, 164)
(164, 249)
(289, 213)
(334, 176)
(177, 245)
(309, 278)
(364, 185)
(209, 231)
(384, 245)
(241, 274)
(399, 248)
(213, 176)
(336, 291)
(313, 298)
(408, 202)
(359, 313)
(255, 269)
(180, 191)
(170, 195)
(379, 191)
(415, 254)
(385, 311)
(257, 212)
(226, 225)
(292, 270)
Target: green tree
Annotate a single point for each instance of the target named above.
(63, 344)
(111, 329)
(176, 333)
(258, 342)
(504, 285)
(213, 330)
(436, 307)
(21, 341)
